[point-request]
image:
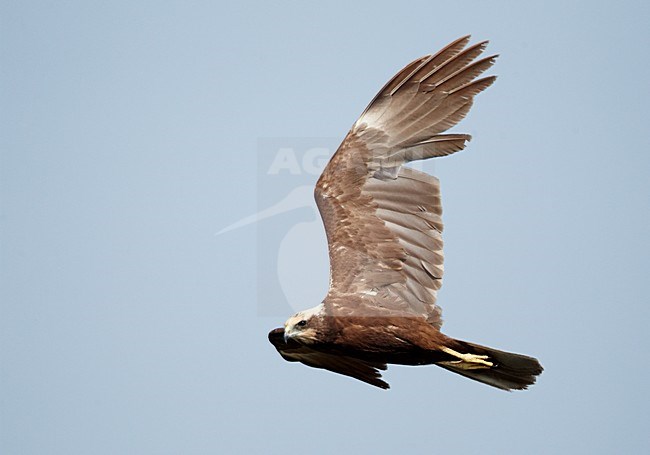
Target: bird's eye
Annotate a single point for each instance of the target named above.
(302, 323)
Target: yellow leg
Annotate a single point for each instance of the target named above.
(472, 360)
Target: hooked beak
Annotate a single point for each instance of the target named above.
(286, 336)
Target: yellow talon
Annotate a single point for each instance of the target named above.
(469, 359)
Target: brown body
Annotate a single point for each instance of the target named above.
(384, 230)
(361, 346)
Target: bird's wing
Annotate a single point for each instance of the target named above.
(294, 351)
(383, 221)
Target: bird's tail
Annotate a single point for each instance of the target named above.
(507, 371)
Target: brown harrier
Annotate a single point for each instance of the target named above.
(384, 226)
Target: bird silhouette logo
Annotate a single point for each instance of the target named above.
(292, 262)
(288, 229)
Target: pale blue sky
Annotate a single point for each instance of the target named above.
(129, 135)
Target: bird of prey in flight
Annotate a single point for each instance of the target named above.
(384, 230)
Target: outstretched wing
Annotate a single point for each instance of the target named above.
(383, 221)
(362, 370)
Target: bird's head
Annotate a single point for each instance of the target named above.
(304, 326)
